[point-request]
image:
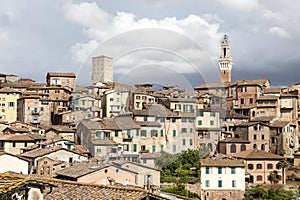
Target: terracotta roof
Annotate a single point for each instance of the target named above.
(219, 162)
(154, 110)
(152, 155)
(93, 125)
(81, 169)
(262, 119)
(13, 137)
(234, 140)
(120, 163)
(279, 124)
(61, 74)
(17, 129)
(8, 90)
(212, 85)
(69, 190)
(255, 154)
(44, 151)
(149, 124)
(272, 90)
(61, 129)
(125, 122)
(252, 82)
(13, 181)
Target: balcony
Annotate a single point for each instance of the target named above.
(127, 139)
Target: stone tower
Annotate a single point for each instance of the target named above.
(225, 61)
(102, 69)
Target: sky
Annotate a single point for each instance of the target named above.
(153, 41)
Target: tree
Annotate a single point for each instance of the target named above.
(283, 164)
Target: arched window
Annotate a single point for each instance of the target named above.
(259, 166)
(250, 166)
(254, 146)
(262, 147)
(232, 148)
(243, 147)
(259, 178)
(270, 166)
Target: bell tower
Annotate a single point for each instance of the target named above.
(225, 61)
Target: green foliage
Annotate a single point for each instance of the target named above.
(261, 192)
(180, 168)
(180, 190)
(168, 179)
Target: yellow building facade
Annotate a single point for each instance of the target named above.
(8, 104)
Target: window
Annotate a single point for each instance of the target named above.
(250, 166)
(259, 178)
(262, 147)
(191, 130)
(174, 120)
(232, 148)
(199, 122)
(206, 183)
(259, 166)
(244, 89)
(143, 148)
(183, 142)
(219, 170)
(161, 133)
(219, 184)
(134, 147)
(162, 120)
(153, 133)
(116, 134)
(233, 183)
(191, 142)
(270, 166)
(243, 147)
(201, 114)
(11, 104)
(262, 137)
(111, 99)
(153, 148)
(254, 146)
(242, 100)
(98, 150)
(83, 102)
(251, 100)
(273, 140)
(212, 122)
(174, 133)
(183, 130)
(212, 114)
(207, 170)
(232, 170)
(25, 144)
(143, 133)
(14, 144)
(254, 137)
(183, 119)
(161, 147)
(98, 134)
